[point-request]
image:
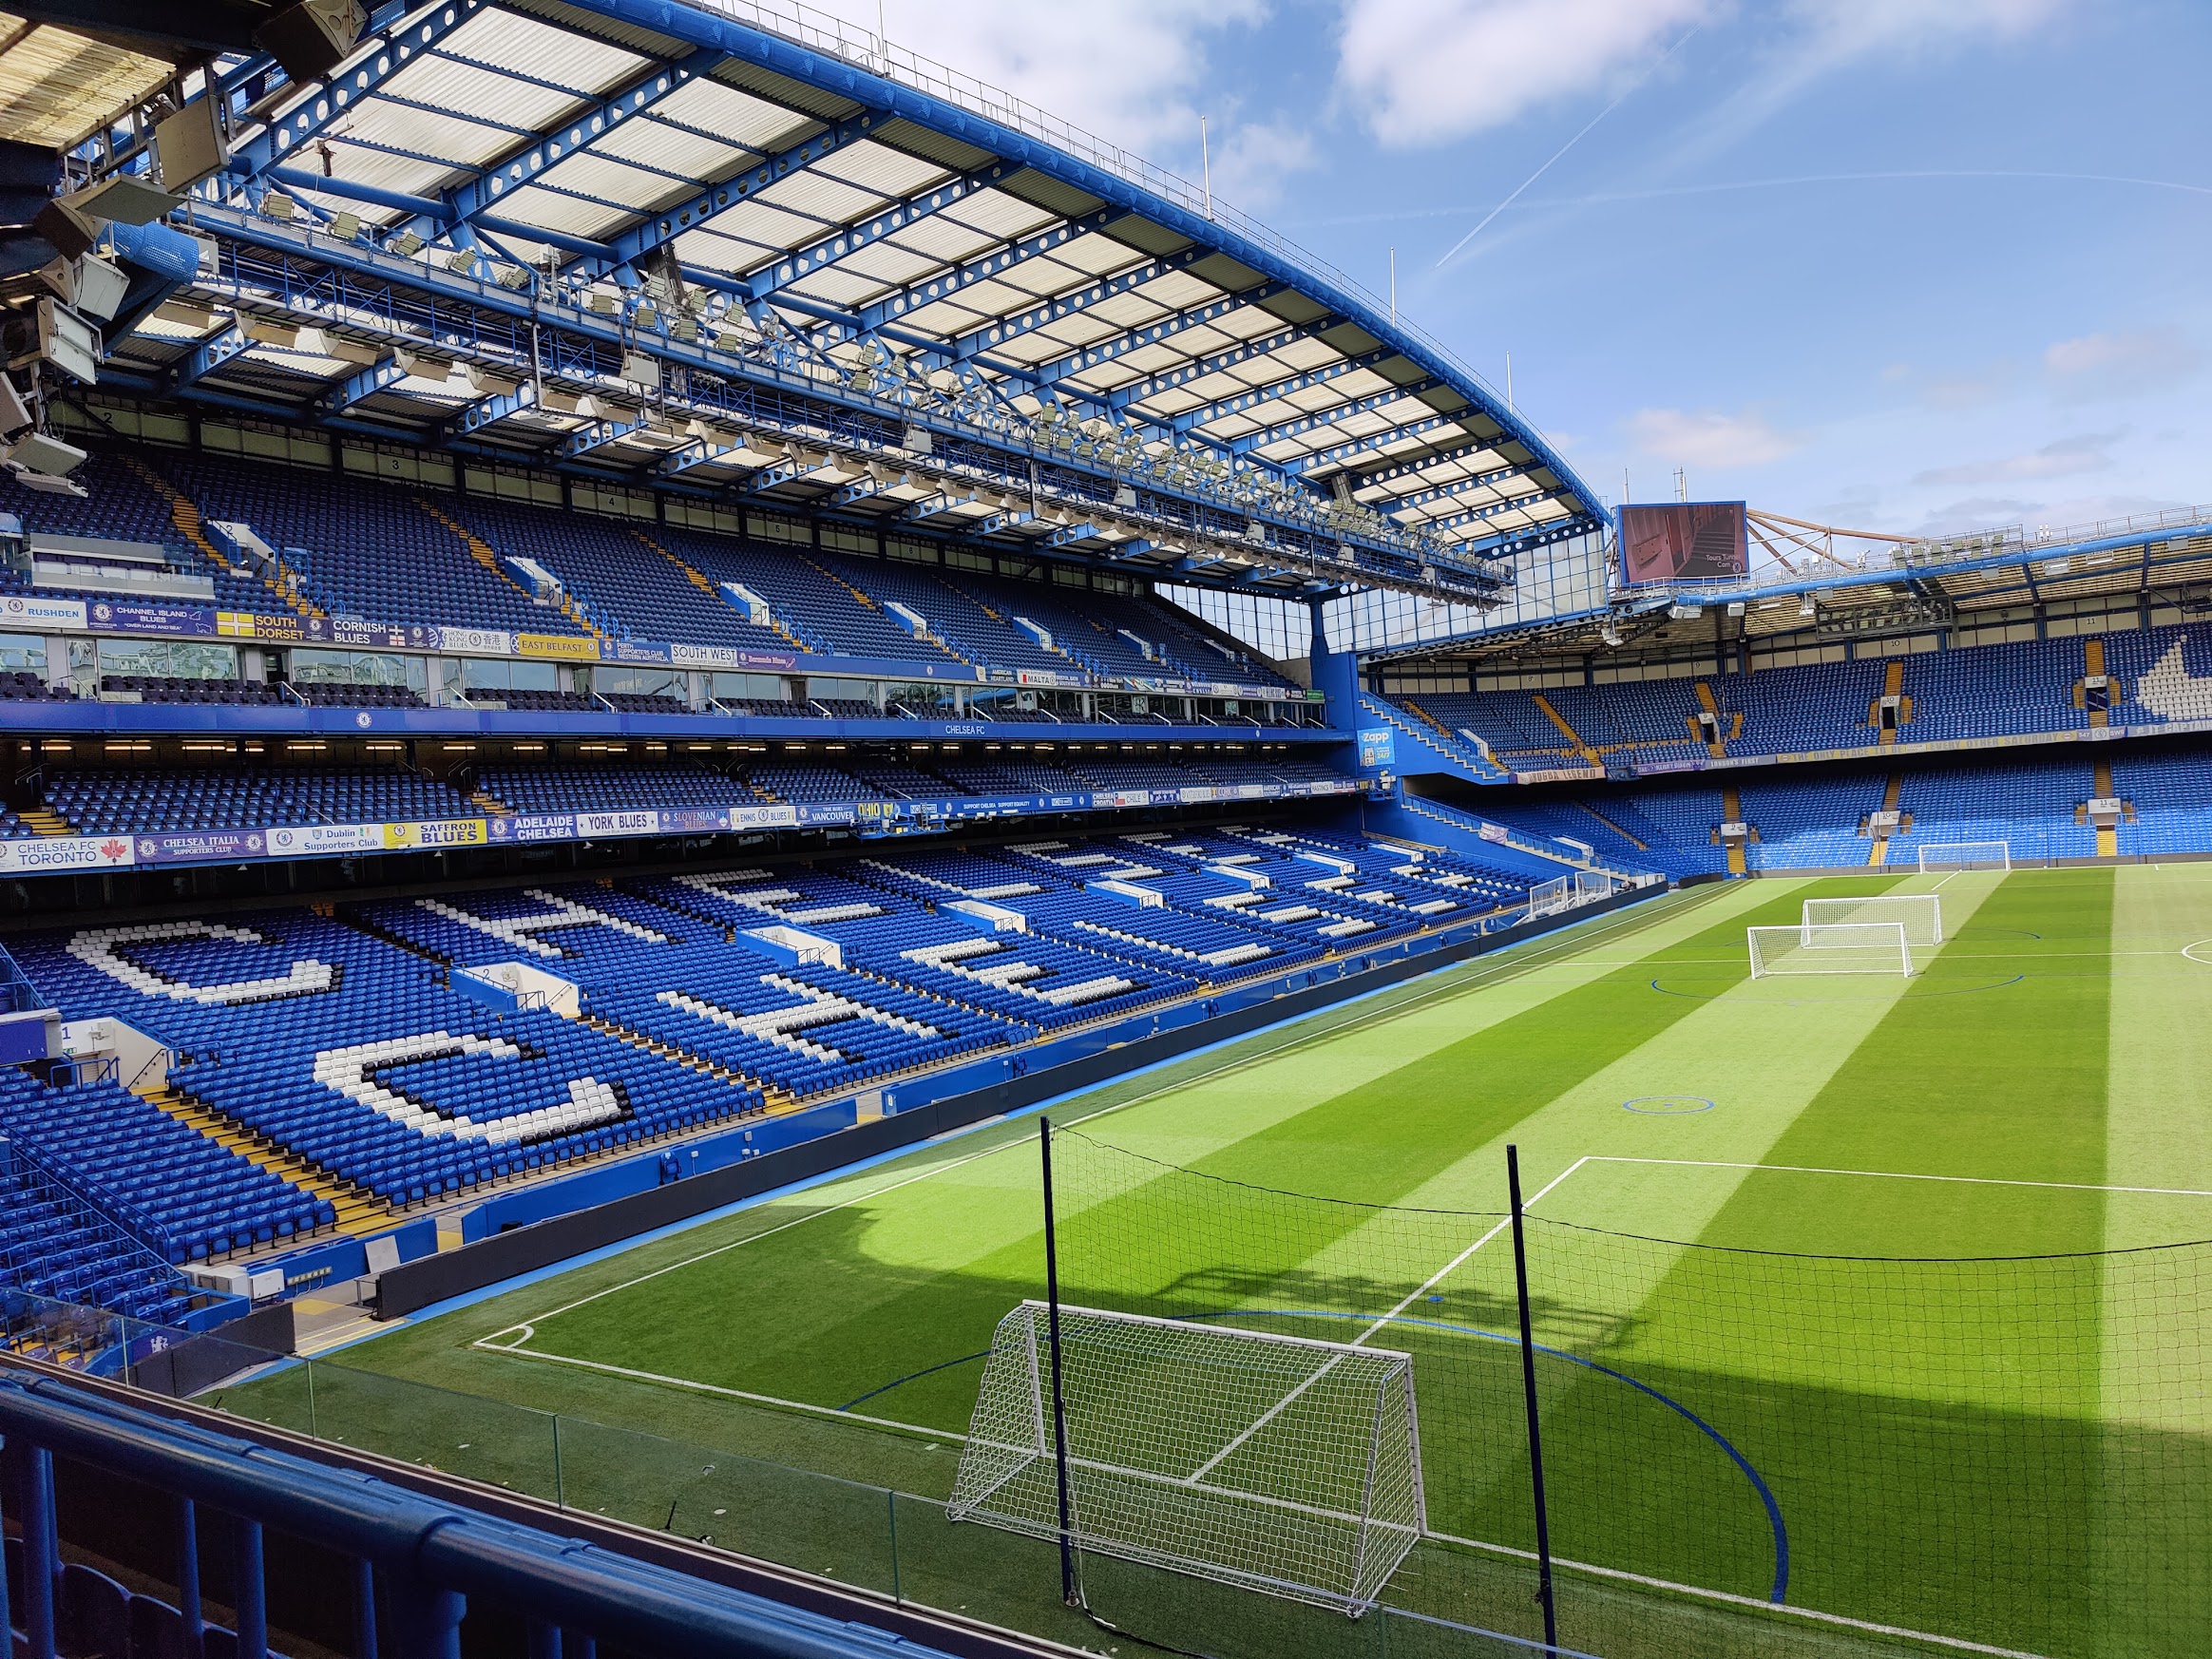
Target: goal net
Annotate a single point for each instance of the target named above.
(1276, 1463)
(1967, 855)
(1851, 947)
(1564, 893)
(1548, 898)
(1921, 913)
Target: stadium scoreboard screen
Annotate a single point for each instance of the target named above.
(1684, 541)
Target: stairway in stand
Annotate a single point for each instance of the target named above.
(1877, 853)
(184, 514)
(358, 1212)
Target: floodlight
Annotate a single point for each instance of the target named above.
(277, 205)
(345, 225)
(407, 244)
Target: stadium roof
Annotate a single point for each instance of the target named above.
(1896, 586)
(505, 219)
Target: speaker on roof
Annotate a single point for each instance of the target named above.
(311, 39)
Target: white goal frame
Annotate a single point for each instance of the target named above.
(1276, 1463)
(1849, 947)
(1922, 913)
(1585, 887)
(1958, 856)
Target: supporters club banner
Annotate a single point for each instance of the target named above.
(310, 840)
(130, 616)
(534, 827)
(437, 833)
(49, 855)
(21, 610)
(602, 824)
(200, 846)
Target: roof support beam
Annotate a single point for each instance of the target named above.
(801, 262)
(1073, 303)
(1152, 333)
(487, 410)
(599, 434)
(1475, 515)
(1145, 390)
(982, 267)
(209, 355)
(526, 162)
(733, 188)
(1407, 468)
(1393, 504)
(1336, 455)
(309, 114)
(380, 374)
(1205, 413)
(1329, 417)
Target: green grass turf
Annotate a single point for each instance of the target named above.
(1998, 1452)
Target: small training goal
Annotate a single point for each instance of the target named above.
(1585, 887)
(1276, 1463)
(1849, 947)
(1955, 855)
(1921, 913)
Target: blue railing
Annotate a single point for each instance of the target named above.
(17, 994)
(416, 1562)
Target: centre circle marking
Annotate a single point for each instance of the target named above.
(1668, 1105)
(2190, 952)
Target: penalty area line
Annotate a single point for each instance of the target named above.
(1451, 1267)
(1779, 1609)
(717, 1389)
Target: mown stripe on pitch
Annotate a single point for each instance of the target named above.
(1380, 1141)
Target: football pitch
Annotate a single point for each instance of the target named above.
(1880, 1298)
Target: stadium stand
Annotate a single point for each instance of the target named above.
(120, 504)
(2032, 687)
(364, 548)
(112, 802)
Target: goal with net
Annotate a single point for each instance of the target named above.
(1276, 1463)
(1967, 855)
(1850, 947)
(1585, 887)
(1921, 913)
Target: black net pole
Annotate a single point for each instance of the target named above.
(1520, 1280)
(1060, 1421)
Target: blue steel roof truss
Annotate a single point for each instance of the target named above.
(798, 369)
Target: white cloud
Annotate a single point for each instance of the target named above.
(1820, 38)
(1130, 71)
(2122, 365)
(1427, 71)
(2067, 456)
(1708, 440)
(1252, 162)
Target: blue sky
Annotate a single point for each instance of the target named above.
(1912, 265)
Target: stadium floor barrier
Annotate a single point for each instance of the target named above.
(416, 1285)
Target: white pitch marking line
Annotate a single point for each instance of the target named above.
(1445, 1271)
(911, 1428)
(1779, 1608)
(1896, 1175)
(1467, 984)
